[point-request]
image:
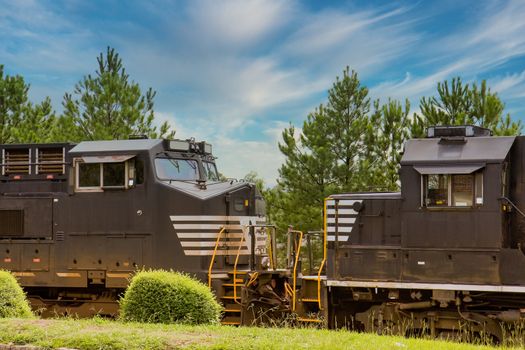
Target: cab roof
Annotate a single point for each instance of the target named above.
(111, 146)
(469, 149)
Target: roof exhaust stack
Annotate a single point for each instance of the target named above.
(138, 137)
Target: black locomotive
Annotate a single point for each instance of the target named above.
(448, 249)
(77, 220)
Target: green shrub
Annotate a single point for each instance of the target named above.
(168, 297)
(13, 302)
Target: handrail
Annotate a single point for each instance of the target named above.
(235, 269)
(296, 262)
(325, 216)
(288, 289)
(252, 279)
(214, 253)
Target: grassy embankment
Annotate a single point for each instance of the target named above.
(104, 334)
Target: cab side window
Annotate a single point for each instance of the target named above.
(114, 174)
(100, 176)
(453, 190)
(88, 175)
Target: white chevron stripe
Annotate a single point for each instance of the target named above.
(339, 238)
(219, 252)
(342, 212)
(341, 220)
(205, 218)
(182, 227)
(194, 244)
(340, 229)
(207, 240)
(205, 235)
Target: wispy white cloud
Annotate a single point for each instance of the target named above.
(493, 39)
(237, 23)
(241, 84)
(510, 85)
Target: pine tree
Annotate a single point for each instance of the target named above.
(37, 125)
(109, 106)
(20, 120)
(327, 156)
(462, 104)
(389, 129)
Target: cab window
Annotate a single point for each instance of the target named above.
(114, 174)
(453, 190)
(104, 176)
(177, 169)
(88, 175)
(210, 171)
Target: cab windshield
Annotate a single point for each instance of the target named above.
(210, 171)
(177, 169)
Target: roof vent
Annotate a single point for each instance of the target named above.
(138, 137)
(457, 131)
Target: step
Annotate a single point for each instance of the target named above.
(309, 278)
(231, 323)
(238, 284)
(310, 300)
(232, 310)
(313, 320)
(240, 272)
(313, 278)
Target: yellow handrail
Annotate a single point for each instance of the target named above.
(297, 252)
(235, 269)
(272, 263)
(288, 289)
(213, 256)
(252, 278)
(324, 256)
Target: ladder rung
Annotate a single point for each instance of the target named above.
(232, 284)
(310, 300)
(232, 310)
(303, 319)
(230, 297)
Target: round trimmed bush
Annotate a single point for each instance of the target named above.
(13, 302)
(169, 297)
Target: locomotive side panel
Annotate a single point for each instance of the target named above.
(26, 217)
(364, 236)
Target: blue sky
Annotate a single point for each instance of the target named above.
(236, 73)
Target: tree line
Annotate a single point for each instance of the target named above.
(104, 106)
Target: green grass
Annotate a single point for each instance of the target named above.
(105, 334)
